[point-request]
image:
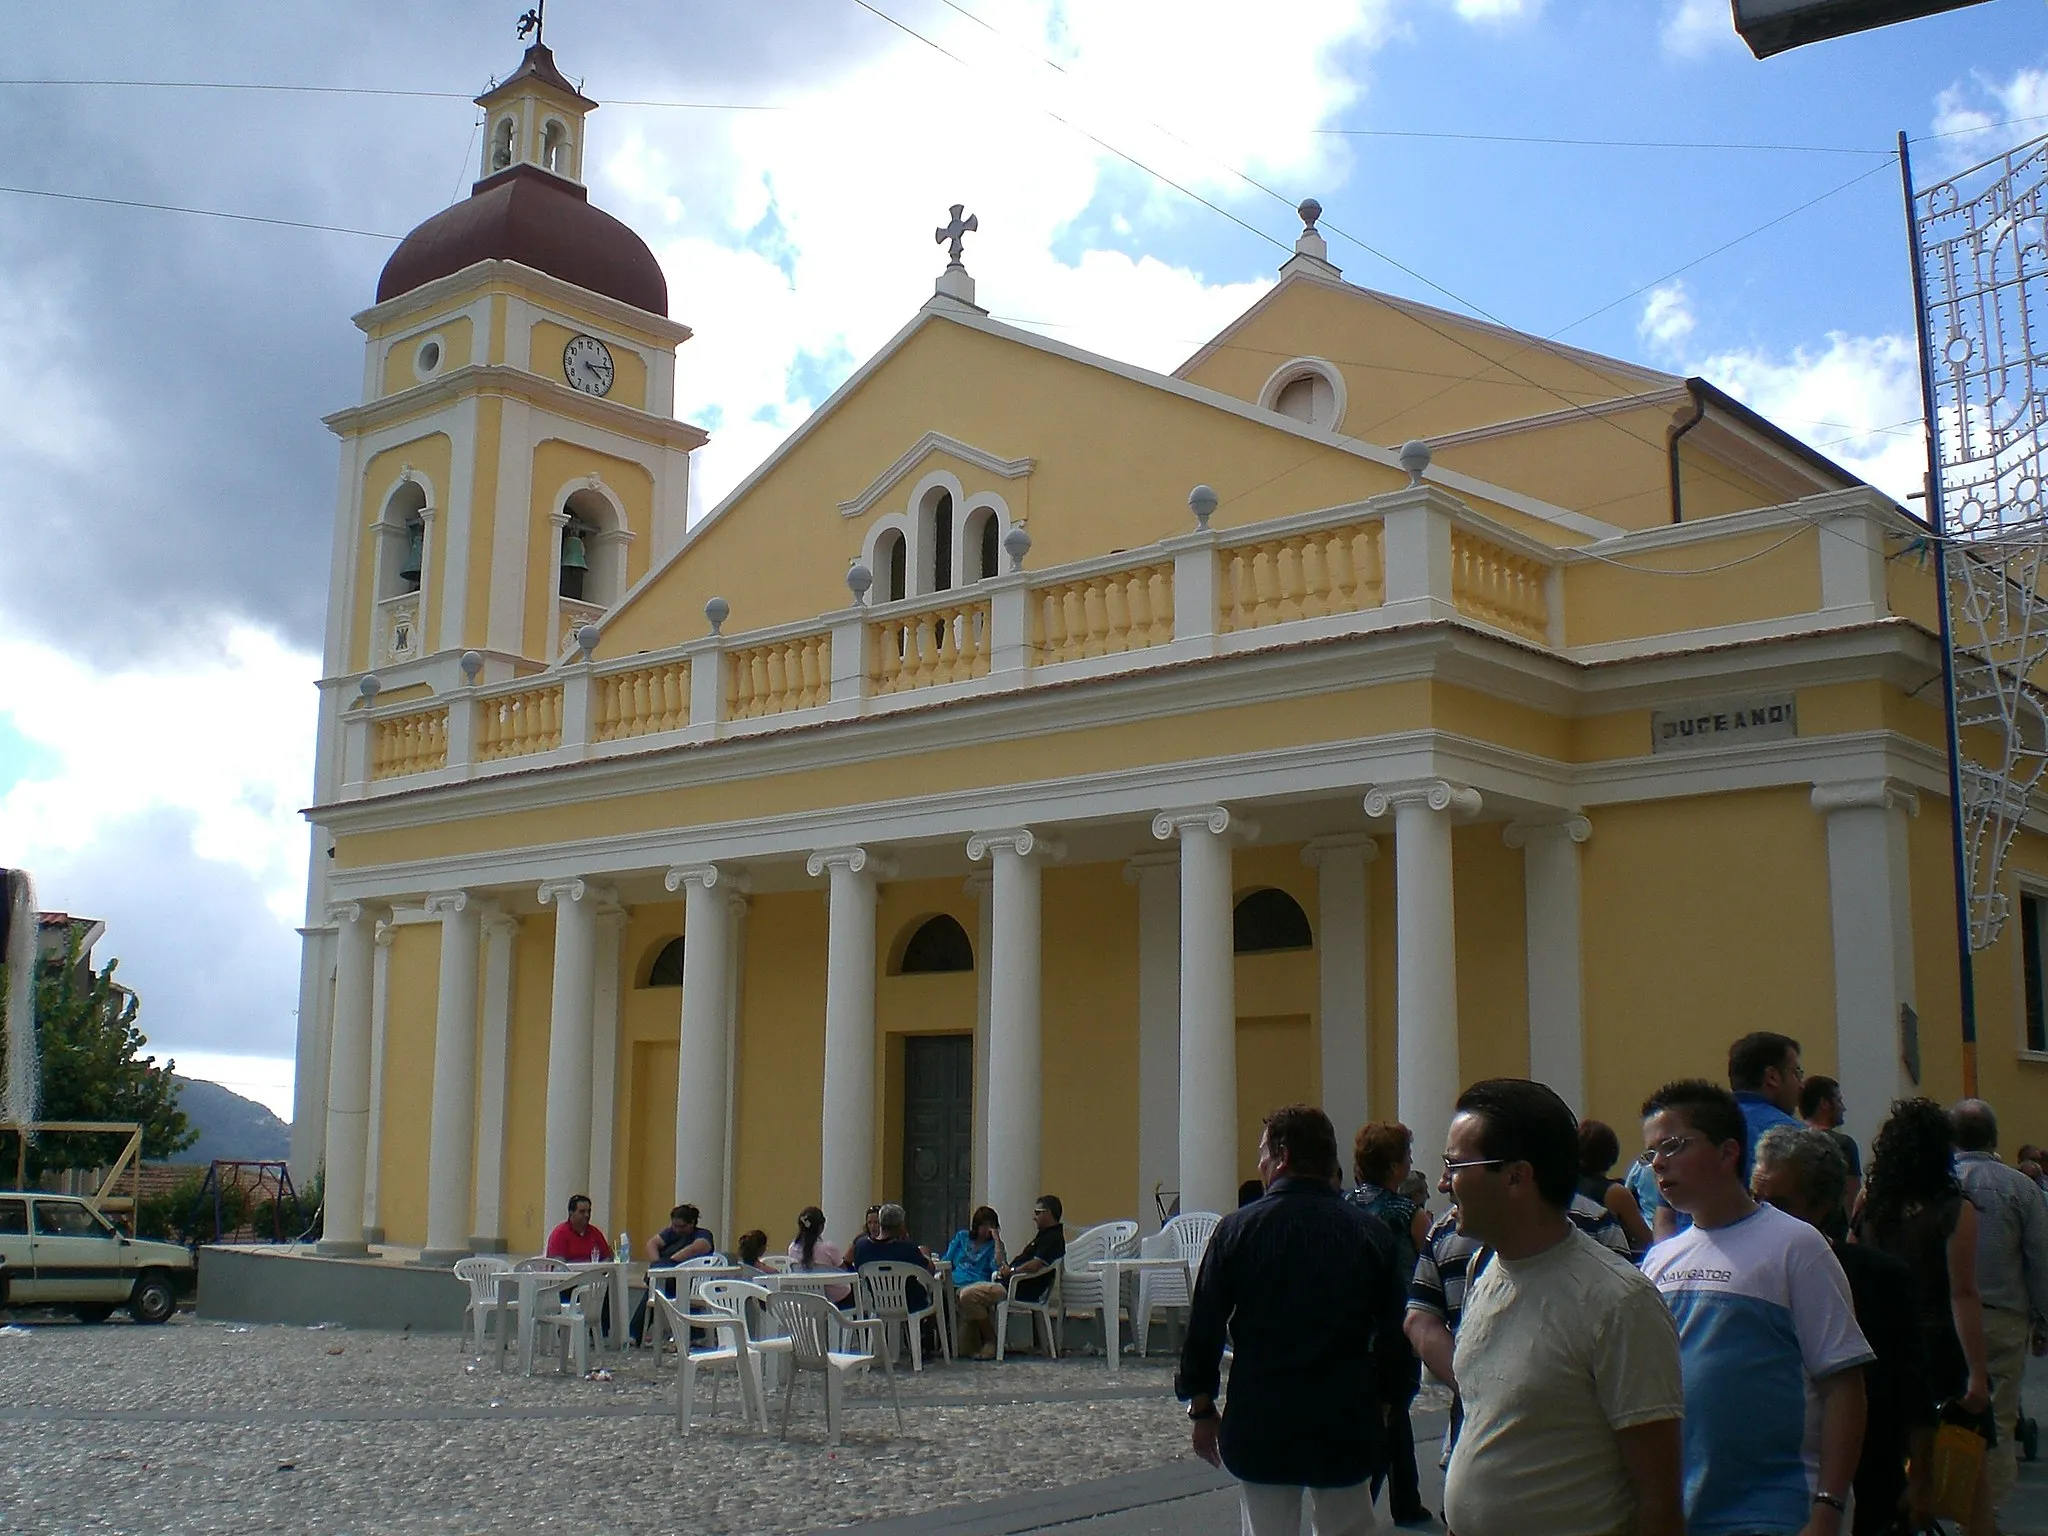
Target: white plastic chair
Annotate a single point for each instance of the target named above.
(1044, 1311)
(480, 1273)
(776, 1263)
(1083, 1289)
(662, 1274)
(724, 1306)
(575, 1319)
(885, 1296)
(1185, 1237)
(808, 1322)
(539, 1265)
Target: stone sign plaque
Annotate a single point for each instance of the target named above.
(1730, 723)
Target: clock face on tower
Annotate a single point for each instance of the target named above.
(587, 365)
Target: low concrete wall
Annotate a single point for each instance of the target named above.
(264, 1285)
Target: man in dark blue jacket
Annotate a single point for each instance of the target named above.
(1305, 1287)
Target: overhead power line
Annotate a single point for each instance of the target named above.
(204, 213)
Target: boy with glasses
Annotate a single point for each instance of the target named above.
(1773, 1358)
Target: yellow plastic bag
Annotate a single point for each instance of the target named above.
(1958, 1456)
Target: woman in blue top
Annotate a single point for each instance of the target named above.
(976, 1252)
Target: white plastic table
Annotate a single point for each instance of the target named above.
(1113, 1272)
(529, 1285)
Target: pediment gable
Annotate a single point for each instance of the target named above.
(918, 458)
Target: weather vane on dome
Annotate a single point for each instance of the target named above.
(533, 21)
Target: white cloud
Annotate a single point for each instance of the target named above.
(165, 800)
(1856, 399)
(1496, 10)
(1965, 116)
(1695, 28)
(1667, 318)
(799, 241)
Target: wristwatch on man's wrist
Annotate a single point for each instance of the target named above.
(1833, 1501)
(1197, 1415)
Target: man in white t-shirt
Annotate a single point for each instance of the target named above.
(1773, 1358)
(1567, 1361)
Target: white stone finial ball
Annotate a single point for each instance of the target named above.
(1202, 502)
(1310, 210)
(859, 581)
(1017, 544)
(1415, 459)
(587, 637)
(472, 666)
(717, 611)
(369, 687)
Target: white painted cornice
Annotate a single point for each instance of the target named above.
(1520, 834)
(495, 272)
(918, 452)
(504, 381)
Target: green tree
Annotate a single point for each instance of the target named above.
(93, 1067)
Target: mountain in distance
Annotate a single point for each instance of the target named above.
(229, 1126)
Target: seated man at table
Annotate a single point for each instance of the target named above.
(894, 1243)
(577, 1240)
(681, 1239)
(1047, 1247)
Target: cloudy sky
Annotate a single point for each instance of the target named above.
(1618, 172)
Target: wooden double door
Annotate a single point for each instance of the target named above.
(938, 1135)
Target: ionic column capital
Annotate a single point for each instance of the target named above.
(386, 929)
(356, 911)
(1429, 794)
(709, 876)
(1021, 841)
(1866, 795)
(498, 922)
(980, 885)
(854, 860)
(1362, 846)
(449, 903)
(1520, 834)
(577, 889)
(1217, 820)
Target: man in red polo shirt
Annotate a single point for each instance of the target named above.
(576, 1241)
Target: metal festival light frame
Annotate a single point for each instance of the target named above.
(1980, 276)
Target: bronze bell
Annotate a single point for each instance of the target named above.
(409, 568)
(572, 550)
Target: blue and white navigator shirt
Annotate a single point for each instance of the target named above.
(1763, 1312)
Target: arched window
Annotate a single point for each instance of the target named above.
(893, 562)
(940, 528)
(403, 533)
(554, 148)
(984, 543)
(591, 556)
(939, 944)
(1267, 921)
(667, 970)
(1308, 398)
(500, 156)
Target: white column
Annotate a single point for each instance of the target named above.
(1016, 1058)
(313, 1053)
(373, 1137)
(849, 1111)
(1208, 1005)
(569, 1022)
(735, 999)
(348, 1078)
(1871, 912)
(1550, 901)
(501, 932)
(1425, 951)
(604, 1063)
(1344, 976)
(1157, 877)
(451, 1131)
(703, 1061)
(982, 888)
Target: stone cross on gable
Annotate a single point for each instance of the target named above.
(951, 235)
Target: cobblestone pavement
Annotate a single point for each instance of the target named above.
(199, 1426)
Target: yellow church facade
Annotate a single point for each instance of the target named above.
(1041, 767)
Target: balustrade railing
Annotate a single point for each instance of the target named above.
(1102, 615)
(517, 724)
(642, 701)
(414, 743)
(775, 678)
(922, 650)
(1302, 576)
(1499, 587)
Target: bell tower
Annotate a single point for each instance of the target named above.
(534, 118)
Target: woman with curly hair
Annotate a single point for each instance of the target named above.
(1914, 1209)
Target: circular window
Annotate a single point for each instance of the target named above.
(426, 361)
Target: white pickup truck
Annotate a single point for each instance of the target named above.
(57, 1251)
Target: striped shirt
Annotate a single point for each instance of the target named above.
(1445, 1263)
